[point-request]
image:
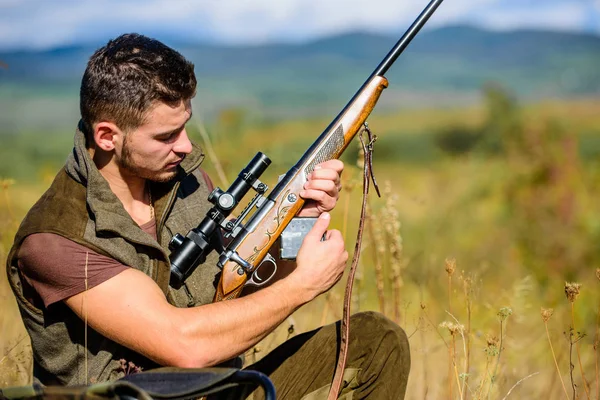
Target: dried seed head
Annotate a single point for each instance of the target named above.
(598, 273)
(6, 183)
(452, 327)
(504, 313)
(546, 314)
(450, 265)
(572, 291)
(445, 324)
(492, 340)
(423, 306)
(493, 345)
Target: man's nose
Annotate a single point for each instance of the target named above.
(183, 144)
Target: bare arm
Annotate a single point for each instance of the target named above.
(131, 309)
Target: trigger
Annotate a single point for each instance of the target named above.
(263, 273)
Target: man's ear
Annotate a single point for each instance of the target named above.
(107, 135)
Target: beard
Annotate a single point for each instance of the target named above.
(126, 162)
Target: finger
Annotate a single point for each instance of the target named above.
(335, 235)
(324, 200)
(325, 174)
(319, 228)
(345, 256)
(336, 165)
(327, 186)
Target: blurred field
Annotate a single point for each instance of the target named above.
(508, 191)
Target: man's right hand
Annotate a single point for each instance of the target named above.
(320, 264)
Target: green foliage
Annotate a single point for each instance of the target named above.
(503, 121)
(457, 140)
(407, 147)
(543, 197)
(501, 128)
(33, 156)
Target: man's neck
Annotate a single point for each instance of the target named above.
(131, 190)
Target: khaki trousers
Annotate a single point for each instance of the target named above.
(378, 363)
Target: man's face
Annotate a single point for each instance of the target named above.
(154, 150)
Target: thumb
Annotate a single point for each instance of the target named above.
(319, 228)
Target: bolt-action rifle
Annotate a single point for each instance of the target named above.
(251, 241)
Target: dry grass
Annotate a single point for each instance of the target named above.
(442, 258)
(15, 354)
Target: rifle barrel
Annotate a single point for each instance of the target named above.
(379, 71)
(406, 38)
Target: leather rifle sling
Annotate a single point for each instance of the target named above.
(345, 328)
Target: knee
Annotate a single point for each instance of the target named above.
(374, 323)
(375, 329)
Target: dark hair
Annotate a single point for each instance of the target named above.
(124, 78)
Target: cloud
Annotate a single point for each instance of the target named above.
(41, 24)
(554, 14)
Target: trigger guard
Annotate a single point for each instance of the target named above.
(255, 280)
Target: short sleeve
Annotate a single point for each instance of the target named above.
(58, 268)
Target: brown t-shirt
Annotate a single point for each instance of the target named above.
(57, 268)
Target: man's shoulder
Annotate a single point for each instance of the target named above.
(62, 208)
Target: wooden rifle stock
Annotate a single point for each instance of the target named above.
(286, 201)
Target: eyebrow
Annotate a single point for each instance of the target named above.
(178, 129)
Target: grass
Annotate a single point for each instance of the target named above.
(512, 227)
(15, 357)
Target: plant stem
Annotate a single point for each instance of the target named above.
(374, 239)
(449, 293)
(518, 383)
(7, 352)
(485, 374)
(425, 351)
(571, 366)
(555, 362)
(460, 392)
(451, 347)
(450, 356)
(585, 382)
(8, 207)
(493, 377)
(596, 354)
(211, 152)
(468, 346)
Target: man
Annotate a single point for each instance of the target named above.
(90, 269)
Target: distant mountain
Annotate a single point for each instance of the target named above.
(322, 74)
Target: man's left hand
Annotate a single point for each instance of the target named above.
(322, 189)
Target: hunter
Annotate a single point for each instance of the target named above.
(90, 264)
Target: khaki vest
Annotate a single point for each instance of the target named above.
(80, 206)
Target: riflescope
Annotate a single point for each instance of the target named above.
(190, 251)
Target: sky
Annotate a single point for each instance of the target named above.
(41, 24)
